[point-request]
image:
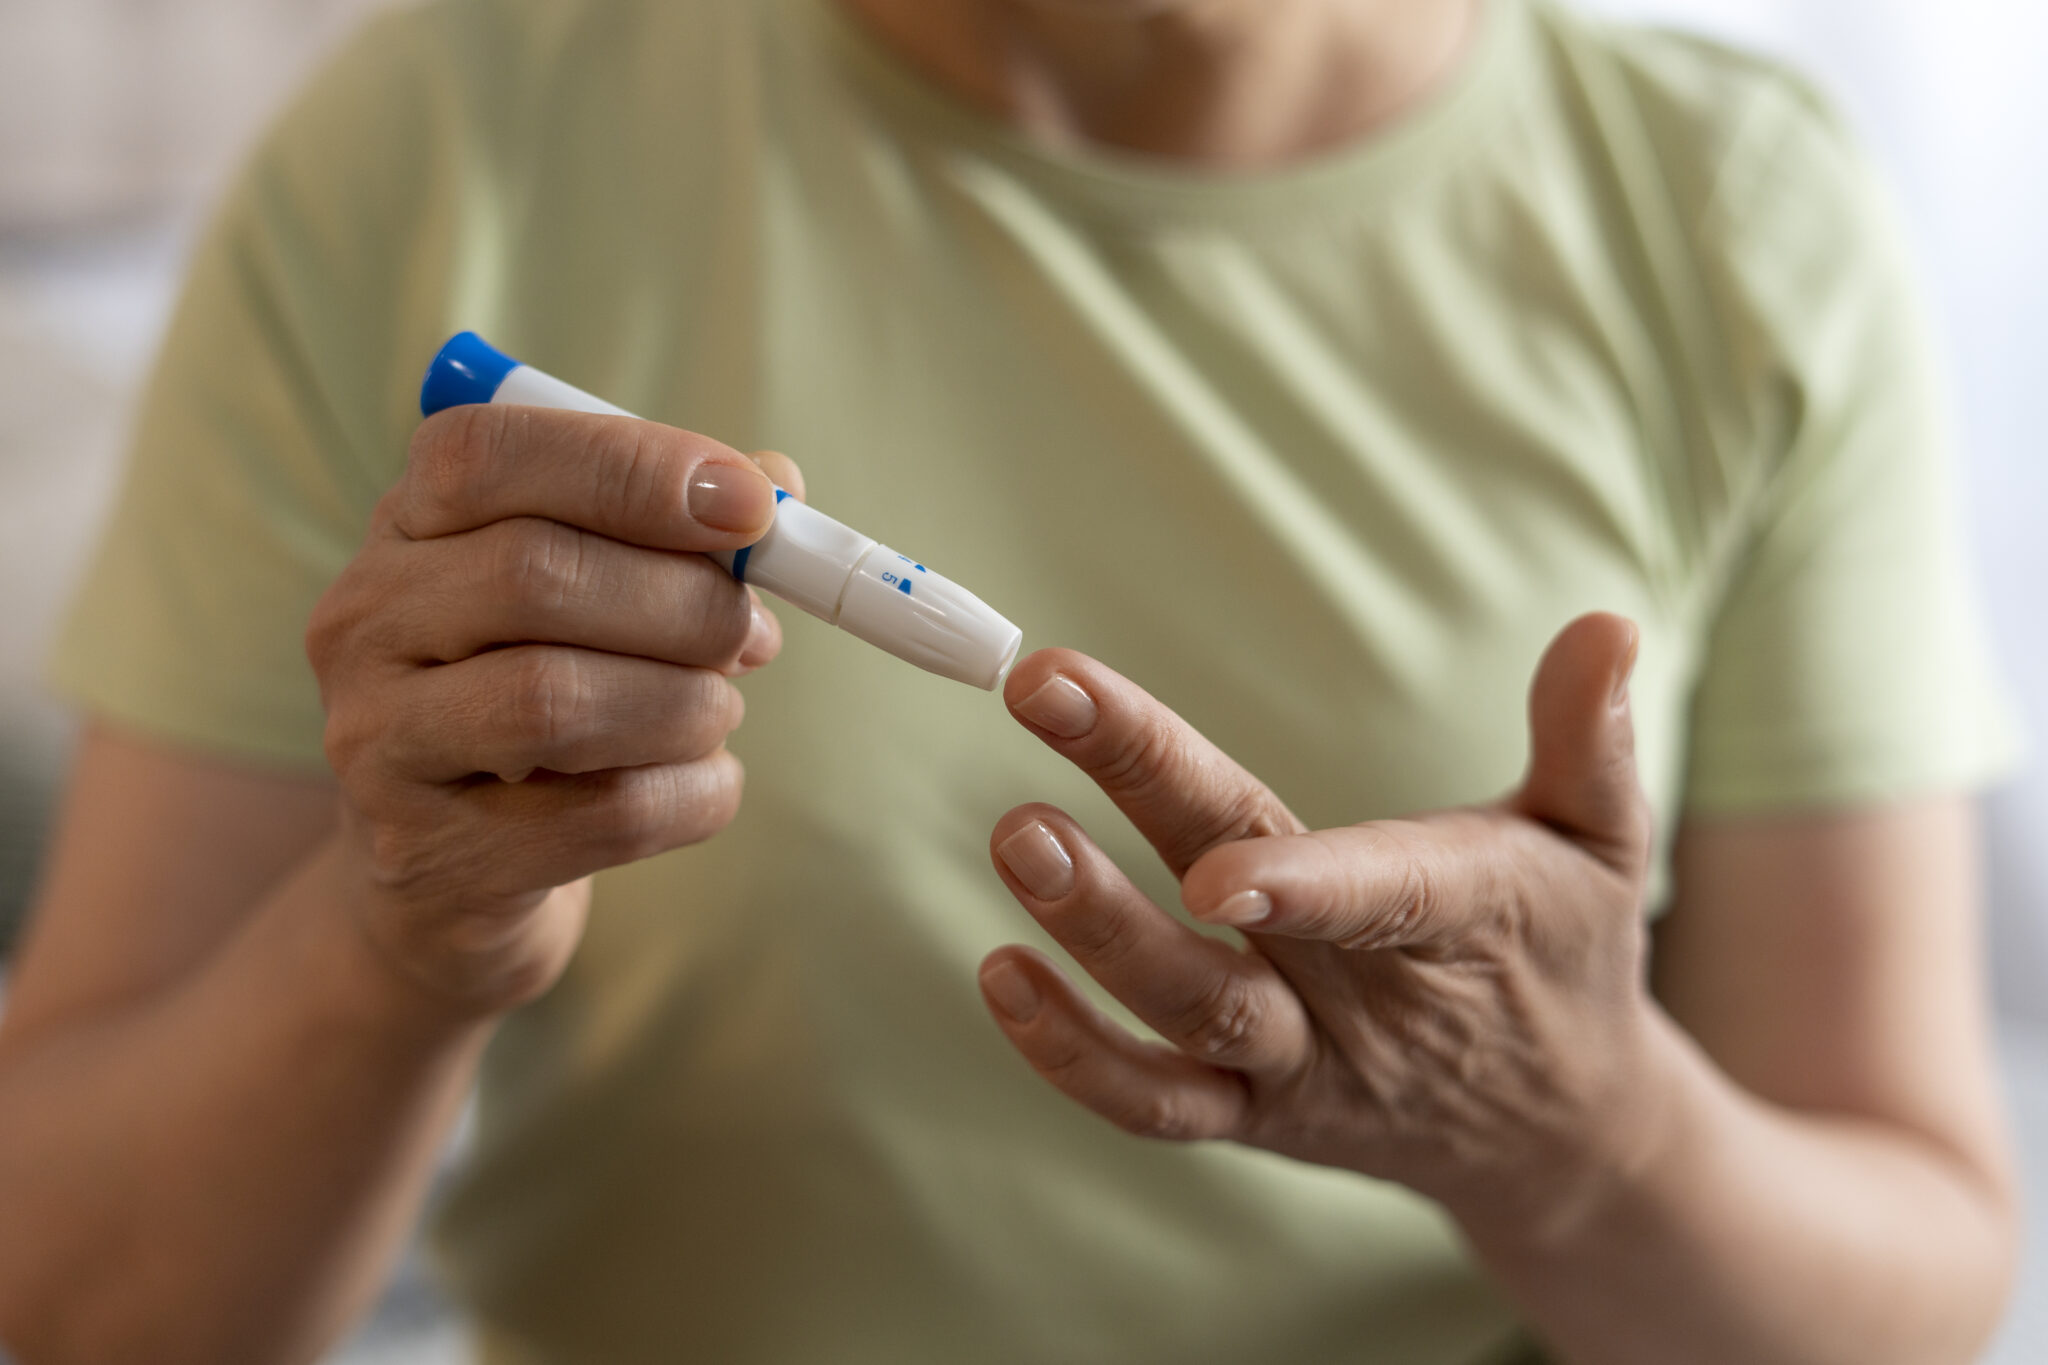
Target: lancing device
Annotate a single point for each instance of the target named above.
(835, 573)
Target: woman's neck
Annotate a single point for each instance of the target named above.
(1232, 84)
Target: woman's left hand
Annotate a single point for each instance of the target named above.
(1455, 1002)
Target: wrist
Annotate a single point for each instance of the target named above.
(368, 986)
(1608, 1163)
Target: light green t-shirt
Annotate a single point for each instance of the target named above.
(1322, 457)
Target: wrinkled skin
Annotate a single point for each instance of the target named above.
(1455, 1002)
(527, 673)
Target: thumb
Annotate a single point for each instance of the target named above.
(1582, 756)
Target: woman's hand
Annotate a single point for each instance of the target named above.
(526, 673)
(1455, 1001)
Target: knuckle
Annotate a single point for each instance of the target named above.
(346, 741)
(1420, 895)
(401, 860)
(640, 477)
(1102, 936)
(538, 562)
(337, 620)
(636, 815)
(335, 640)
(1416, 900)
(450, 456)
(1217, 803)
(734, 620)
(1223, 1024)
(1062, 1059)
(718, 609)
(384, 514)
(327, 629)
(706, 710)
(1161, 1117)
(734, 709)
(549, 697)
(1245, 812)
(655, 809)
(721, 780)
(1416, 895)
(1507, 882)
(1140, 763)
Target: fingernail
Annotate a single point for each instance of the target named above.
(1242, 909)
(1627, 670)
(1012, 991)
(1059, 705)
(729, 498)
(1035, 858)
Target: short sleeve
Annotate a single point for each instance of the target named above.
(1847, 661)
(277, 413)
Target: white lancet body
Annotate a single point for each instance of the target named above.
(807, 559)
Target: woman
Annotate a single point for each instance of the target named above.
(1313, 363)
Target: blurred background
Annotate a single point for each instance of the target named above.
(119, 119)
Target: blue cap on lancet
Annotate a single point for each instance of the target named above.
(468, 370)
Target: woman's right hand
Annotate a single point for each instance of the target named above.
(526, 674)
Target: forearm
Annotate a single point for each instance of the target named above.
(224, 1171)
(1757, 1234)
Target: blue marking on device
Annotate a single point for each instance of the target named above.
(903, 586)
(467, 370)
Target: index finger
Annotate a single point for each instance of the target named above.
(621, 477)
(1184, 794)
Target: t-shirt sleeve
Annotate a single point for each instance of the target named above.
(1847, 662)
(275, 417)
